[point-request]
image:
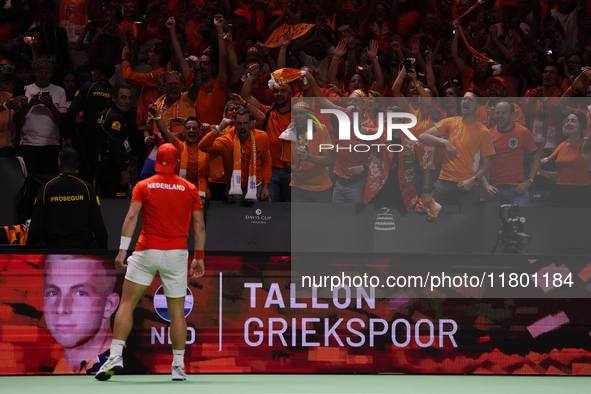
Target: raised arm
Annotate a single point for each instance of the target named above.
(223, 55)
(161, 124)
(80, 41)
(379, 85)
(333, 69)
(233, 73)
(399, 99)
(429, 72)
(257, 114)
(270, 61)
(210, 142)
(282, 57)
(460, 65)
(495, 38)
(318, 94)
(136, 80)
(254, 72)
(195, 65)
(176, 47)
(427, 99)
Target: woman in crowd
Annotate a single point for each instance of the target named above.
(573, 160)
(71, 85)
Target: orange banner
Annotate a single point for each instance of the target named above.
(296, 31)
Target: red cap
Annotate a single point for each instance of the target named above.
(166, 158)
(198, 1)
(241, 12)
(508, 3)
(498, 80)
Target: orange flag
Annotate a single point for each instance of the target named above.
(296, 31)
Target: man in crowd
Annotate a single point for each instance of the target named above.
(8, 105)
(41, 119)
(212, 100)
(512, 143)
(114, 128)
(496, 89)
(67, 212)
(92, 99)
(246, 157)
(53, 39)
(278, 119)
(309, 165)
(469, 149)
(539, 106)
(194, 163)
(158, 58)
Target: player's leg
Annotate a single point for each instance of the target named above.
(173, 273)
(178, 335)
(141, 268)
(132, 292)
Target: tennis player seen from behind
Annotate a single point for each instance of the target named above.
(169, 203)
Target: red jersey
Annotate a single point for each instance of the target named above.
(510, 150)
(165, 225)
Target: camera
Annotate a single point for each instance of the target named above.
(28, 39)
(45, 93)
(511, 232)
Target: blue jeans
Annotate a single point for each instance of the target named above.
(303, 195)
(506, 195)
(348, 191)
(279, 189)
(448, 193)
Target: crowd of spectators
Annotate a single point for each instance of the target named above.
(498, 89)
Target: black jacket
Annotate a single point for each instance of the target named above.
(113, 132)
(92, 99)
(67, 214)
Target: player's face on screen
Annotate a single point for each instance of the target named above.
(77, 298)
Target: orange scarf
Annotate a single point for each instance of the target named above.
(554, 154)
(236, 180)
(201, 175)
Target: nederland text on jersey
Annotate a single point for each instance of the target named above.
(167, 186)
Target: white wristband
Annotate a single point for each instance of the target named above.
(157, 117)
(125, 241)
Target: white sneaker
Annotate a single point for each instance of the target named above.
(178, 373)
(112, 366)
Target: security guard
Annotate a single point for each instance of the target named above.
(92, 99)
(114, 127)
(67, 213)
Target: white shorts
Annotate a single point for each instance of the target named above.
(172, 265)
